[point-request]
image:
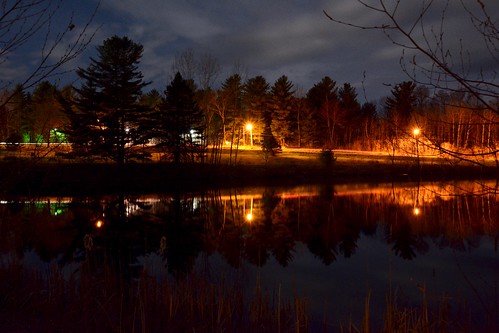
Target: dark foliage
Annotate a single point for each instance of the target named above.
(107, 119)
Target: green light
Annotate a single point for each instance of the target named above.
(57, 209)
(57, 136)
(26, 137)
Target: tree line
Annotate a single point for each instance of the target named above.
(110, 116)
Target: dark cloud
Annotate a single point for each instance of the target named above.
(283, 37)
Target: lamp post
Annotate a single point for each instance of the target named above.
(416, 131)
(249, 127)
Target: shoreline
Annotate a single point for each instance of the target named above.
(40, 177)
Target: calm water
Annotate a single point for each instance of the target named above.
(332, 245)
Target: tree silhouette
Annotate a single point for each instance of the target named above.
(180, 122)
(282, 102)
(323, 117)
(228, 105)
(14, 114)
(351, 108)
(256, 104)
(108, 119)
(46, 112)
(400, 106)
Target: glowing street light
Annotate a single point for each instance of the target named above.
(249, 127)
(416, 131)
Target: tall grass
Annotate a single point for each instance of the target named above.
(103, 301)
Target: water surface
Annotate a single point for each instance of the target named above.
(332, 244)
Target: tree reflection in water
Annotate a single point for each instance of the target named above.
(328, 219)
(251, 226)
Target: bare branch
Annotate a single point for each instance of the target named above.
(22, 22)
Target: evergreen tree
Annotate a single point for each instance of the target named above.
(323, 116)
(108, 119)
(282, 101)
(269, 143)
(401, 104)
(256, 105)
(151, 100)
(228, 106)
(181, 124)
(14, 113)
(350, 109)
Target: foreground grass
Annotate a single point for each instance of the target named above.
(103, 301)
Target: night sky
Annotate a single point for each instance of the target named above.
(268, 38)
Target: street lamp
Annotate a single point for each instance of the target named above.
(249, 127)
(416, 131)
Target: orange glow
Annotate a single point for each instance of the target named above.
(249, 217)
(99, 224)
(249, 126)
(416, 211)
(416, 131)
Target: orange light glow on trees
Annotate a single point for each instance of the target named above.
(249, 127)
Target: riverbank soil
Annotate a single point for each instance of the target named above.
(42, 175)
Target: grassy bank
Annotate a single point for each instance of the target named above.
(102, 301)
(44, 176)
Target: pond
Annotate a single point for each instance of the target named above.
(343, 251)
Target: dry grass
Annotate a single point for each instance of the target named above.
(103, 301)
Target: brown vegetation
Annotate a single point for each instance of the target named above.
(102, 301)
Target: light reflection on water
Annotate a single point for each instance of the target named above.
(331, 244)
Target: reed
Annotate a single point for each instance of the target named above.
(104, 301)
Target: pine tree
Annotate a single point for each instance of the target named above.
(108, 119)
(350, 110)
(401, 104)
(228, 106)
(14, 113)
(282, 105)
(256, 105)
(323, 114)
(181, 124)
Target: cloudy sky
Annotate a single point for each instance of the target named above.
(271, 38)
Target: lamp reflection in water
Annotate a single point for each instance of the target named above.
(99, 223)
(416, 211)
(249, 216)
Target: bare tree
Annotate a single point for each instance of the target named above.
(32, 23)
(185, 64)
(202, 70)
(432, 55)
(209, 69)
